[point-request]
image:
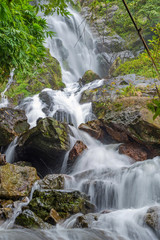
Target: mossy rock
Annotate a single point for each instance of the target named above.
(88, 77)
(13, 122)
(48, 75)
(44, 146)
(29, 219)
(16, 181)
(65, 203)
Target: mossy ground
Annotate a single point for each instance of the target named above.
(48, 75)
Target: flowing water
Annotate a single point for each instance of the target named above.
(124, 189)
(4, 101)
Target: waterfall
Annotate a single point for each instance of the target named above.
(121, 189)
(4, 100)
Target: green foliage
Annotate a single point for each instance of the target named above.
(130, 90)
(154, 106)
(142, 65)
(51, 6)
(145, 13)
(22, 34)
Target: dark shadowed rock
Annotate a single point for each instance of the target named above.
(13, 122)
(44, 145)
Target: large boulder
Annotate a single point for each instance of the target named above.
(65, 203)
(129, 120)
(13, 122)
(44, 146)
(16, 181)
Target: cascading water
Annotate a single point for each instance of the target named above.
(4, 100)
(114, 182)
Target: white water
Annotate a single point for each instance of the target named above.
(113, 181)
(4, 101)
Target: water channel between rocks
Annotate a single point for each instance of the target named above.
(115, 184)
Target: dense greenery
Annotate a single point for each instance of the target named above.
(142, 65)
(145, 13)
(22, 34)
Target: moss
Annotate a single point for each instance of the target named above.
(48, 75)
(65, 203)
(89, 76)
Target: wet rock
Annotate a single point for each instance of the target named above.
(88, 77)
(47, 100)
(2, 159)
(93, 128)
(53, 217)
(13, 122)
(29, 219)
(53, 181)
(75, 152)
(65, 203)
(85, 221)
(62, 116)
(16, 181)
(135, 151)
(44, 146)
(152, 219)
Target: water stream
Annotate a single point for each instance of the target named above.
(4, 101)
(113, 181)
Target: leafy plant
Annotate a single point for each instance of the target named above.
(130, 90)
(22, 34)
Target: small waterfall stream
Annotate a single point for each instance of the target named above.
(114, 182)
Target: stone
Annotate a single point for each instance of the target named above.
(53, 181)
(13, 122)
(89, 76)
(44, 146)
(152, 219)
(93, 128)
(85, 221)
(75, 152)
(29, 219)
(2, 159)
(16, 181)
(53, 217)
(65, 203)
(135, 151)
